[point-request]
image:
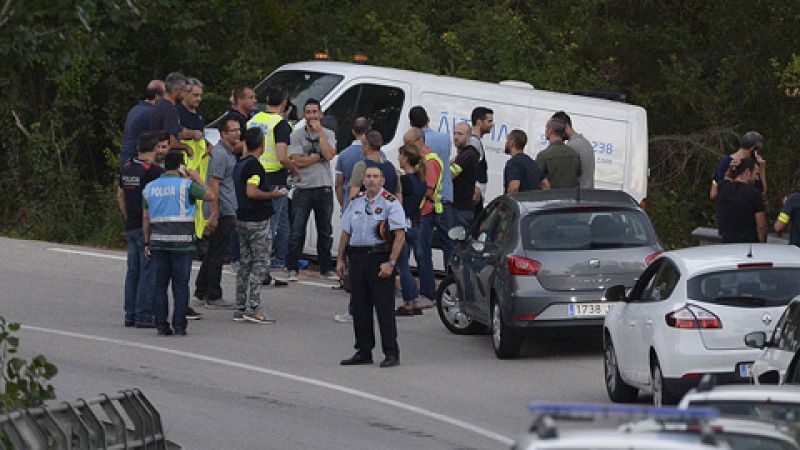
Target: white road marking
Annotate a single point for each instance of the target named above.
(288, 376)
(194, 266)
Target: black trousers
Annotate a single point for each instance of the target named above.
(369, 291)
(207, 284)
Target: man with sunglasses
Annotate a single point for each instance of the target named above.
(311, 149)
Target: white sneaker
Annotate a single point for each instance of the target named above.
(331, 275)
(343, 318)
(292, 276)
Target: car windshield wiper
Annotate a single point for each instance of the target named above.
(740, 300)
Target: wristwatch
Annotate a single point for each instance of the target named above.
(392, 262)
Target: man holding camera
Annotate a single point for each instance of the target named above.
(311, 150)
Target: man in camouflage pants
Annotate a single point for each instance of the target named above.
(254, 197)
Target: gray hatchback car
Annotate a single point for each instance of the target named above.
(541, 260)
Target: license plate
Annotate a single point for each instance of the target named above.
(745, 370)
(588, 309)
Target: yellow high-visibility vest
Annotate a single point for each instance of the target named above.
(199, 162)
(438, 207)
(267, 122)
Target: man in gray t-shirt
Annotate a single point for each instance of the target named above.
(208, 291)
(582, 146)
(311, 148)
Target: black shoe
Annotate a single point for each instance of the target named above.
(358, 358)
(267, 280)
(146, 324)
(129, 323)
(403, 311)
(180, 333)
(191, 314)
(280, 283)
(390, 361)
(165, 332)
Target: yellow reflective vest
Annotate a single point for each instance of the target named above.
(199, 162)
(267, 122)
(438, 207)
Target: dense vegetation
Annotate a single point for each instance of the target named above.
(705, 71)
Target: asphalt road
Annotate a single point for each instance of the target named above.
(249, 386)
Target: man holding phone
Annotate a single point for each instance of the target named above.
(311, 149)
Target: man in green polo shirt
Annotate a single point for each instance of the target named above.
(559, 163)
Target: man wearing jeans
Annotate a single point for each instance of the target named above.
(429, 210)
(169, 237)
(134, 175)
(311, 149)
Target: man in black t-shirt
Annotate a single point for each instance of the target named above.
(254, 197)
(134, 175)
(166, 117)
(521, 172)
(464, 171)
(740, 208)
(790, 214)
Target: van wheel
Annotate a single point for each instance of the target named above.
(661, 395)
(618, 390)
(449, 305)
(506, 343)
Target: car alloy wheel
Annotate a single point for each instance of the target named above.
(618, 390)
(506, 344)
(450, 309)
(661, 395)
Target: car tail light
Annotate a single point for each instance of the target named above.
(755, 265)
(652, 257)
(525, 317)
(517, 265)
(692, 316)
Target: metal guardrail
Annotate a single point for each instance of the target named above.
(707, 236)
(123, 421)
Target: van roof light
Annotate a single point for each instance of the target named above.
(360, 58)
(321, 56)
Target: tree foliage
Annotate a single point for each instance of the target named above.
(705, 71)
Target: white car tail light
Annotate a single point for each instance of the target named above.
(693, 317)
(518, 265)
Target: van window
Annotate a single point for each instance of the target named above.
(301, 84)
(381, 104)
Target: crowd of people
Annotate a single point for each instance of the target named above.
(249, 197)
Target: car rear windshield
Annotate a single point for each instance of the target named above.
(762, 410)
(587, 228)
(753, 288)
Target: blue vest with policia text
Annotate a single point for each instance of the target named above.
(171, 212)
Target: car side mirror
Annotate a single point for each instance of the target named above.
(457, 233)
(616, 293)
(756, 339)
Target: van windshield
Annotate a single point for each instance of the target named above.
(301, 84)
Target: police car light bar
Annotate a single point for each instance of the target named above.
(620, 412)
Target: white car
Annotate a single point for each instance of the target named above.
(668, 428)
(777, 404)
(686, 316)
(778, 362)
(739, 434)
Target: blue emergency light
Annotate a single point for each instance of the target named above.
(594, 412)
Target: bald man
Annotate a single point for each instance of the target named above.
(138, 120)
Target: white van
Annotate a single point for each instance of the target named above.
(618, 131)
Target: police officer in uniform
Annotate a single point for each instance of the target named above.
(373, 232)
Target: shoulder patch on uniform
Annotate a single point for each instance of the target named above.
(388, 196)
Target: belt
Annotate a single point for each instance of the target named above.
(368, 249)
